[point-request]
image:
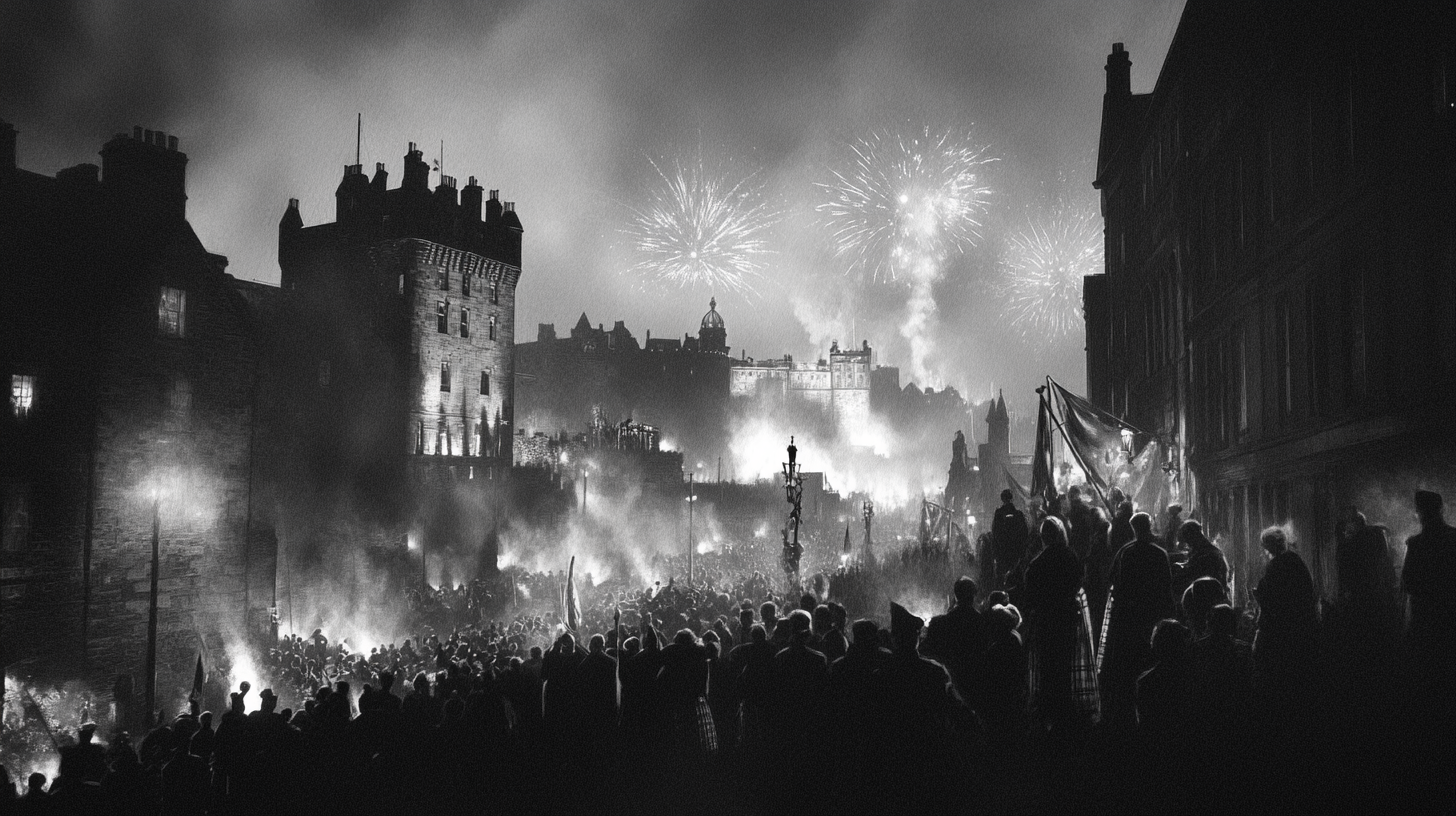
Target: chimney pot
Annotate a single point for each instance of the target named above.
(379, 167)
(495, 195)
(1117, 48)
(292, 203)
(411, 147)
(472, 182)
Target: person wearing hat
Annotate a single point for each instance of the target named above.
(1008, 536)
(1429, 577)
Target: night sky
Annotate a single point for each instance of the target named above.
(562, 105)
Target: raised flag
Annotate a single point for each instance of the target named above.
(1043, 485)
(570, 603)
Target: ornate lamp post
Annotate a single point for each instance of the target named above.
(692, 547)
(794, 493)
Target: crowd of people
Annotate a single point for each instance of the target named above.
(1103, 666)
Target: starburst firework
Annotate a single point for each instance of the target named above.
(702, 226)
(902, 205)
(1042, 271)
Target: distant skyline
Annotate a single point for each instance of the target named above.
(563, 106)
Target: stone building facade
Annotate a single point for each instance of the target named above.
(840, 386)
(133, 365)
(1279, 304)
(395, 372)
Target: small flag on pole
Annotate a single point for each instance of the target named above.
(571, 605)
(198, 678)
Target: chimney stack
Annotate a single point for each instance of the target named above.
(146, 173)
(416, 172)
(493, 208)
(1119, 72)
(470, 202)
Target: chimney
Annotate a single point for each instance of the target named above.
(144, 175)
(493, 208)
(380, 182)
(416, 172)
(509, 217)
(470, 202)
(7, 145)
(1119, 72)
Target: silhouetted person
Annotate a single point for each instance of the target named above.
(1097, 569)
(683, 684)
(1004, 705)
(1008, 536)
(35, 802)
(957, 640)
(1205, 559)
(1053, 581)
(919, 706)
(1141, 595)
(1283, 647)
(1429, 578)
(1165, 713)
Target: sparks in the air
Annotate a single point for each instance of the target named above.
(902, 205)
(702, 225)
(1042, 270)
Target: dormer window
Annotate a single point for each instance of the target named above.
(172, 312)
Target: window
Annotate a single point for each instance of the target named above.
(22, 395)
(492, 327)
(324, 373)
(401, 283)
(442, 318)
(17, 516)
(465, 284)
(445, 376)
(495, 293)
(464, 322)
(172, 312)
(444, 278)
(485, 383)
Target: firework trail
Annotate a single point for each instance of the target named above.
(702, 226)
(1042, 271)
(900, 209)
(903, 205)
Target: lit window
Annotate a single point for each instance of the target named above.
(172, 312)
(485, 383)
(444, 278)
(492, 327)
(445, 376)
(22, 394)
(442, 318)
(324, 373)
(401, 283)
(464, 322)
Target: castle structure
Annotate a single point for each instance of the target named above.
(840, 385)
(395, 375)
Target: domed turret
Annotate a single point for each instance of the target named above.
(712, 335)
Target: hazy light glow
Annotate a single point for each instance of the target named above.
(1042, 271)
(702, 226)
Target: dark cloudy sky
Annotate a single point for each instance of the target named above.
(561, 104)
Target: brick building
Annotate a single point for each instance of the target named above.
(132, 363)
(1279, 303)
(394, 370)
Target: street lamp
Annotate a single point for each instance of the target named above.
(692, 497)
(869, 518)
(794, 494)
(151, 668)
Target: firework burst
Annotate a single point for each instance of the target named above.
(904, 204)
(702, 226)
(1042, 271)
